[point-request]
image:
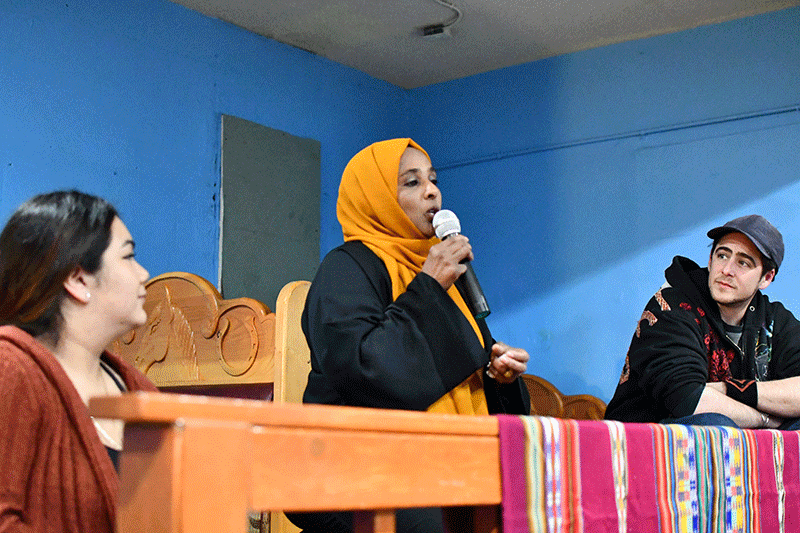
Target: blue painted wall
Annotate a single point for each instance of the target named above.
(577, 178)
(123, 99)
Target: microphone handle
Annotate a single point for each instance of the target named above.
(469, 287)
(467, 284)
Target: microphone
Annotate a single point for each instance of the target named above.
(446, 223)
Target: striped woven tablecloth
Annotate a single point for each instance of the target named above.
(603, 476)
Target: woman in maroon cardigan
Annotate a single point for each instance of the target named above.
(69, 285)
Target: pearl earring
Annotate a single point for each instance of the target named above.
(88, 296)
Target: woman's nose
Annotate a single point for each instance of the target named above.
(431, 190)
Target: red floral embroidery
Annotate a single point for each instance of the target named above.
(686, 306)
(719, 362)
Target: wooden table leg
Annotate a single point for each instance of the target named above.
(187, 477)
(487, 519)
(380, 521)
(478, 519)
(148, 500)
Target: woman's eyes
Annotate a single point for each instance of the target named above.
(413, 182)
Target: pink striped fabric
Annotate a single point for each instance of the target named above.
(570, 476)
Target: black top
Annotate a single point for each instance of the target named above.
(368, 350)
(680, 344)
(112, 453)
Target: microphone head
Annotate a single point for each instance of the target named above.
(446, 223)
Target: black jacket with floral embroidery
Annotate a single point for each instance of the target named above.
(680, 345)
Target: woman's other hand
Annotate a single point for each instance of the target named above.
(444, 260)
(506, 363)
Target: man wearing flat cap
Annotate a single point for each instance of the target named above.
(710, 348)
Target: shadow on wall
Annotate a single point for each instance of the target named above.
(542, 221)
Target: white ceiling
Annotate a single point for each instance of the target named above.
(384, 39)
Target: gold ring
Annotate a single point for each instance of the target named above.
(508, 373)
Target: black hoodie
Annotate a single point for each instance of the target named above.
(680, 344)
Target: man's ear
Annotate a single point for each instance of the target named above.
(77, 285)
(766, 279)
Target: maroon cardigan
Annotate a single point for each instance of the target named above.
(55, 474)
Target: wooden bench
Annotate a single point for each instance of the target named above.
(196, 342)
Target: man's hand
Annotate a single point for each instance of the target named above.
(772, 421)
(714, 400)
(776, 402)
(506, 363)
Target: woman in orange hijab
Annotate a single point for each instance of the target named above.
(386, 325)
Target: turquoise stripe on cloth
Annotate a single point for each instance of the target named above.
(573, 476)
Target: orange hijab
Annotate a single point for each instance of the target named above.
(369, 212)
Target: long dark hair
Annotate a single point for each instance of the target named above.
(46, 239)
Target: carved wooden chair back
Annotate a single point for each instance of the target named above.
(196, 341)
(547, 400)
(292, 356)
(292, 364)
